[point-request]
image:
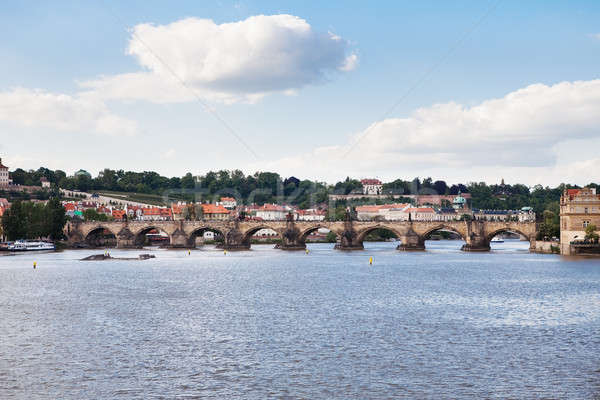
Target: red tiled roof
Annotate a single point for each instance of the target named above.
(214, 209)
(70, 207)
(227, 199)
(118, 214)
(271, 207)
(370, 182)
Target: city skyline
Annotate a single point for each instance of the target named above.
(471, 92)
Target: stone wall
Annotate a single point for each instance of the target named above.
(544, 247)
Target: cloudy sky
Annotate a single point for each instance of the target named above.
(462, 91)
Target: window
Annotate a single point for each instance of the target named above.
(586, 223)
(586, 210)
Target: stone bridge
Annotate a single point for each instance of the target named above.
(350, 234)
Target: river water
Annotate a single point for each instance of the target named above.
(273, 324)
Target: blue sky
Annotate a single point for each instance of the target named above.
(358, 61)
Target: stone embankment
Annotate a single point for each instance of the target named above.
(545, 247)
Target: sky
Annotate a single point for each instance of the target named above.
(462, 91)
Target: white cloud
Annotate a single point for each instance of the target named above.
(595, 35)
(62, 112)
(229, 62)
(520, 131)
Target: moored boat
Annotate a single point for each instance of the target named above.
(25, 245)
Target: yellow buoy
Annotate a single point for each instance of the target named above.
(370, 260)
(34, 265)
(306, 251)
(225, 252)
(189, 253)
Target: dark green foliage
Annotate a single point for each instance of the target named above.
(27, 220)
(92, 215)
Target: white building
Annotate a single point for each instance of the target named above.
(310, 215)
(4, 178)
(372, 186)
(388, 212)
(272, 212)
(227, 202)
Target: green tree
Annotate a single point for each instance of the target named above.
(331, 237)
(55, 219)
(590, 233)
(92, 215)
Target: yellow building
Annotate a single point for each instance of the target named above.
(579, 208)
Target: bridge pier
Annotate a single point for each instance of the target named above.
(179, 239)
(235, 241)
(411, 241)
(125, 238)
(349, 239)
(291, 238)
(476, 240)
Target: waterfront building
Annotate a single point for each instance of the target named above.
(271, 212)
(579, 208)
(372, 186)
(447, 214)
(421, 214)
(214, 212)
(388, 212)
(4, 175)
(310, 215)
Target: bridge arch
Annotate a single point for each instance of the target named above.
(507, 229)
(247, 235)
(361, 235)
(100, 236)
(198, 232)
(140, 238)
(304, 234)
(442, 227)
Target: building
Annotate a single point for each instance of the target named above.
(4, 176)
(45, 182)
(388, 212)
(421, 214)
(214, 212)
(459, 202)
(579, 208)
(271, 212)
(227, 202)
(372, 186)
(310, 215)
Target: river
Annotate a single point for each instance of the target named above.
(273, 324)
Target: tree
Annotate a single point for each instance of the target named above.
(590, 233)
(331, 237)
(14, 223)
(55, 219)
(92, 215)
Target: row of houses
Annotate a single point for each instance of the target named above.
(406, 212)
(222, 210)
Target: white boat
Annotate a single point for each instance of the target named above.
(24, 245)
(497, 240)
